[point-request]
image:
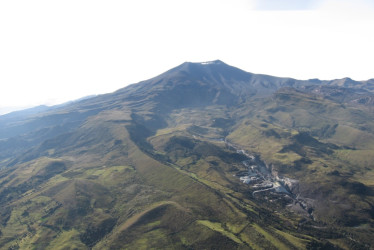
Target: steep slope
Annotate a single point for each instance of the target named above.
(190, 84)
(161, 164)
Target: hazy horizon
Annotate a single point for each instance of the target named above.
(54, 52)
(6, 110)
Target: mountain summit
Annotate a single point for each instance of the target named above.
(203, 156)
(218, 82)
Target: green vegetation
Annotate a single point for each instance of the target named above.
(157, 166)
(218, 228)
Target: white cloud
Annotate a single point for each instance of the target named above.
(346, 5)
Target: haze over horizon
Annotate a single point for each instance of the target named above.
(53, 52)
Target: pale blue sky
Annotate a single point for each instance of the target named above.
(285, 4)
(55, 51)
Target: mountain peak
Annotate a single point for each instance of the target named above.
(205, 63)
(211, 62)
(208, 67)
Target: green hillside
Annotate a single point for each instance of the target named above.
(200, 157)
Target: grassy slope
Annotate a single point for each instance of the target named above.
(114, 192)
(98, 202)
(336, 176)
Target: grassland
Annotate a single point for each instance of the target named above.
(136, 173)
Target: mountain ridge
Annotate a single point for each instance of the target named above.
(196, 84)
(218, 64)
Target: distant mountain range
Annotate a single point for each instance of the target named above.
(204, 155)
